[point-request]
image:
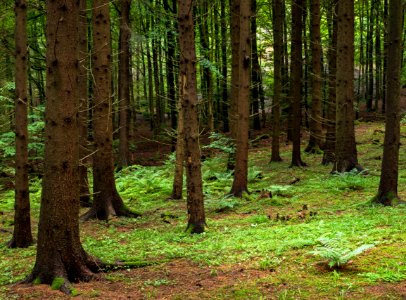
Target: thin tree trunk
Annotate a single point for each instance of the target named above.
(224, 93)
(255, 70)
(22, 236)
(180, 155)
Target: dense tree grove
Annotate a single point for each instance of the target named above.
(86, 75)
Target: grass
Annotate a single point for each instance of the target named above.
(271, 236)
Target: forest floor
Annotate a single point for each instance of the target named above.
(257, 247)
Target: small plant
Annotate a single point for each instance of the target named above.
(337, 251)
(221, 142)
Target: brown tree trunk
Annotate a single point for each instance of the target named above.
(315, 120)
(59, 252)
(388, 186)
(22, 236)
(255, 70)
(224, 92)
(241, 127)
(296, 83)
(346, 151)
(124, 84)
(180, 155)
(330, 143)
(188, 94)
(277, 18)
(106, 200)
(83, 105)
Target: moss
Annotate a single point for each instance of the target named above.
(57, 283)
(37, 281)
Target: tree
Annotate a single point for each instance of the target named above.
(388, 185)
(22, 236)
(315, 120)
(124, 83)
(188, 94)
(256, 69)
(296, 79)
(60, 256)
(106, 200)
(346, 151)
(277, 18)
(83, 105)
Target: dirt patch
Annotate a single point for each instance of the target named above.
(382, 291)
(167, 281)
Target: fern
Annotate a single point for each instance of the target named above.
(337, 251)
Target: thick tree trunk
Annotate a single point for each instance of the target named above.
(83, 105)
(277, 46)
(124, 84)
(296, 83)
(106, 200)
(388, 186)
(60, 256)
(346, 151)
(188, 93)
(315, 120)
(240, 183)
(22, 236)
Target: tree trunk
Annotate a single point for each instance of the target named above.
(388, 186)
(330, 143)
(277, 18)
(224, 92)
(83, 105)
(180, 155)
(22, 236)
(188, 93)
(242, 105)
(60, 256)
(106, 201)
(315, 121)
(346, 151)
(124, 84)
(296, 83)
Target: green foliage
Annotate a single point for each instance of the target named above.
(336, 250)
(221, 142)
(57, 283)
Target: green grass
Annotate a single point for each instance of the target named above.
(270, 235)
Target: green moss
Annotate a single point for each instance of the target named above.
(37, 280)
(57, 283)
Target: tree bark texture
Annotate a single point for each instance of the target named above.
(296, 79)
(277, 18)
(255, 70)
(59, 251)
(240, 182)
(180, 156)
(346, 151)
(22, 236)
(388, 186)
(188, 94)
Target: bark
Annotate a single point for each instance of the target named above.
(22, 236)
(106, 200)
(235, 46)
(83, 105)
(296, 83)
(180, 156)
(315, 120)
(224, 93)
(388, 186)
(330, 143)
(124, 84)
(242, 105)
(60, 255)
(278, 56)
(188, 94)
(346, 151)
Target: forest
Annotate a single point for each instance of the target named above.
(196, 149)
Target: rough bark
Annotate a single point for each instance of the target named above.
(241, 127)
(124, 84)
(255, 70)
(277, 18)
(296, 79)
(188, 94)
(180, 156)
(346, 151)
(315, 116)
(106, 200)
(83, 105)
(388, 186)
(60, 255)
(22, 236)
